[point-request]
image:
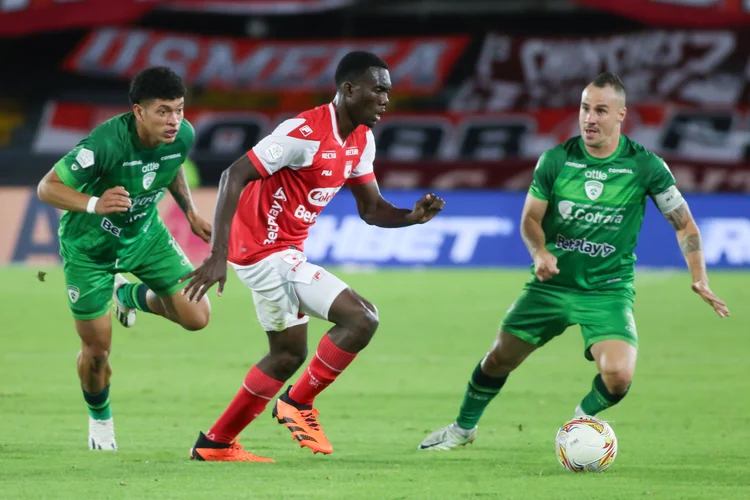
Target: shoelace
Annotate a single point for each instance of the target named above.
(235, 446)
(310, 417)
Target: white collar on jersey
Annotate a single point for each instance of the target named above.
(335, 124)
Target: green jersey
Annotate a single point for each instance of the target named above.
(110, 156)
(595, 211)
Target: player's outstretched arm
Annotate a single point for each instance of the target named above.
(376, 211)
(532, 233)
(689, 238)
(53, 191)
(181, 193)
(214, 268)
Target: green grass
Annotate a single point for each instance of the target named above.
(683, 429)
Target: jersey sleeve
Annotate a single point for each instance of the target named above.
(287, 146)
(662, 187)
(544, 177)
(363, 172)
(83, 164)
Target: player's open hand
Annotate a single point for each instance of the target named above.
(426, 208)
(200, 227)
(114, 199)
(545, 265)
(213, 270)
(702, 289)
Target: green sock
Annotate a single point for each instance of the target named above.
(98, 403)
(600, 398)
(133, 295)
(479, 392)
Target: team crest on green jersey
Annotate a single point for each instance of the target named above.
(593, 189)
(148, 179)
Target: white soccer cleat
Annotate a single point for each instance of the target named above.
(447, 438)
(125, 315)
(102, 434)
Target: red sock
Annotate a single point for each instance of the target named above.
(257, 390)
(329, 361)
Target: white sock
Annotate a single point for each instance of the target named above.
(460, 430)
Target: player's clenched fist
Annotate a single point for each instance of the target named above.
(426, 208)
(114, 199)
(545, 265)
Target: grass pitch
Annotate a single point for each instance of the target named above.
(682, 429)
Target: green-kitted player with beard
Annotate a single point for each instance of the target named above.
(580, 224)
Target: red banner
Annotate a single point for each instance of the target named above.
(682, 13)
(675, 132)
(706, 151)
(19, 17)
(706, 68)
(417, 65)
(258, 6)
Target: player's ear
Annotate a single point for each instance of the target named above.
(138, 112)
(621, 115)
(348, 88)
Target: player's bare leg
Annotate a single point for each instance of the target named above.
(192, 316)
(355, 322)
(615, 361)
(177, 308)
(288, 350)
(507, 354)
(95, 371)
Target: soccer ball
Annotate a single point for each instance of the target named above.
(586, 444)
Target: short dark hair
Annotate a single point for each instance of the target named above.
(156, 82)
(608, 79)
(354, 64)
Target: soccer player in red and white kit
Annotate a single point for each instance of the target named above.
(291, 175)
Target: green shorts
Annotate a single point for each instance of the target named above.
(542, 313)
(156, 259)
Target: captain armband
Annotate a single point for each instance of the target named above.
(669, 199)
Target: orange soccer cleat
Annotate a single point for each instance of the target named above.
(302, 422)
(206, 450)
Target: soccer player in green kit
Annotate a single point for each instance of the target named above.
(109, 187)
(580, 224)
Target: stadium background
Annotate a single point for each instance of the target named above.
(480, 91)
(481, 88)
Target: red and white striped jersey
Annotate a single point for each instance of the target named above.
(303, 163)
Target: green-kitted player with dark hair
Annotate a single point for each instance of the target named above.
(580, 224)
(109, 186)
